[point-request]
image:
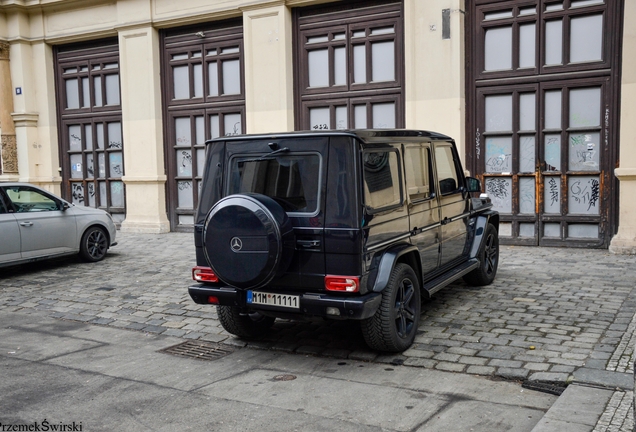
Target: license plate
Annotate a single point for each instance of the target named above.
(271, 299)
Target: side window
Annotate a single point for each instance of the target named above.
(28, 200)
(382, 179)
(3, 208)
(417, 170)
(446, 170)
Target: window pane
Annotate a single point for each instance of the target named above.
(499, 113)
(381, 179)
(197, 71)
(383, 61)
(231, 77)
(318, 68)
(182, 131)
(584, 195)
(75, 138)
(552, 230)
(90, 166)
(213, 79)
(527, 10)
(181, 82)
(97, 84)
(585, 107)
(117, 194)
(215, 130)
(340, 66)
(581, 3)
(586, 231)
(526, 230)
(230, 50)
(112, 89)
(185, 198)
(200, 130)
(341, 118)
(383, 115)
(317, 39)
(552, 151)
(497, 15)
(91, 194)
(498, 49)
(114, 135)
(180, 56)
(527, 46)
(184, 163)
(360, 116)
(76, 166)
(359, 64)
(72, 94)
(99, 132)
(200, 161)
(116, 164)
(554, 42)
(382, 30)
(319, 118)
(553, 109)
(499, 154)
(86, 93)
(102, 194)
(554, 7)
(584, 154)
(101, 157)
(500, 191)
(416, 170)
(586, 38)
(186, 220)
(446, 171)
(232, 124)
(527, 154)
(88, 137)
(527, 112)
(552, 195)
(77, 191)
(526, 195)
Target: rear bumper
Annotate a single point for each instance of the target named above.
(311, 304)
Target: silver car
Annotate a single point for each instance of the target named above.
(35, 224)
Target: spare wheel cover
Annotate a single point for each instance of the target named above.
(247, 240)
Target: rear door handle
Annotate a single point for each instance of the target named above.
(26, 223)
(308, 243)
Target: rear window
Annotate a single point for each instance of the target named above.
(290, 179)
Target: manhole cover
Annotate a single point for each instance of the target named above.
(284, 377)
(199, 350)
(544, 387)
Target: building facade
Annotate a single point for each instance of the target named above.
(109, 102)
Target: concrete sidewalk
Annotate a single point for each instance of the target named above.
(553, 316)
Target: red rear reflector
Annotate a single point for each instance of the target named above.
(213, 300)
(204, 274)
(342, 283)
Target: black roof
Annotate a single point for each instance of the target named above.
(366, 135)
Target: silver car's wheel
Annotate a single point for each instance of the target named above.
(94, 244)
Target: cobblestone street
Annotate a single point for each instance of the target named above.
(551, 315)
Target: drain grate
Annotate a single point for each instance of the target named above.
(199, 350)
(544, 387)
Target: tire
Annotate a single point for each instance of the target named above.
(488, 256)
(248, 326)
(248, 240)
(395, 323)
(94, 244)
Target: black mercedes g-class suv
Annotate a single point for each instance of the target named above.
(358, 224)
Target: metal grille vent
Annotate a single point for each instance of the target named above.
(199, 350)
(545, 387)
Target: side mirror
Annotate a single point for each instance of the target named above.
(65, 206)
(473, 184)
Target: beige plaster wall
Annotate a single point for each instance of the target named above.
(625, 240)
(434, 68)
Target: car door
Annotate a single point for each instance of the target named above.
(454, 213)
(424, 213)
(9, 235)
(45, 229)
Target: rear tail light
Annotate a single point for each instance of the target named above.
(342, 283)
(204, 274)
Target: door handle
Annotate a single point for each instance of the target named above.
(26, 223)
(308, 243)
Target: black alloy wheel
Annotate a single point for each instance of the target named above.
(395, 323)
(488, 259)
(94, 244)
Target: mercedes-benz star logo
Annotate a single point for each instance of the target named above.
(236, 244)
